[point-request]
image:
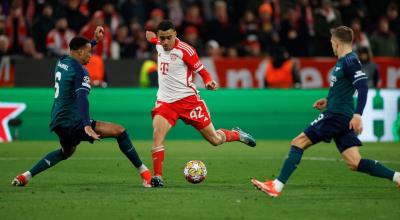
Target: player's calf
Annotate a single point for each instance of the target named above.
(117, 130)
(67, 152)
(216, 139)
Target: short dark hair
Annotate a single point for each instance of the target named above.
(165, 25)
(343, 33)
(78, 42)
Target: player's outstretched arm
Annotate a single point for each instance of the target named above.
(98, 34)
(356, 124)
(151, 37)
(320, 104)
(90, 132)
(212, 85)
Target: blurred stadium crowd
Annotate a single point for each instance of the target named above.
(216, 28)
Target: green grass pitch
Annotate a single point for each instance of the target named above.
(98, 182)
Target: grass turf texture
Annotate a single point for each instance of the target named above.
(98, 182)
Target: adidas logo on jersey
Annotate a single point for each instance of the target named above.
(359, 73)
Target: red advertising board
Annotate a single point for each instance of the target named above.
(314, 72)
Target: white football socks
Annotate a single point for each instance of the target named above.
(396, 177)
(27, 175)
(142, 168)
(278, 185)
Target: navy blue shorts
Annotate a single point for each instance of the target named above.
(72, 136)
(330, 126)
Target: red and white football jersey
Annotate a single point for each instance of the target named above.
(175, 72)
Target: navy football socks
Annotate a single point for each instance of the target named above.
(291, 163)
(127, 148)
(374, 168)
(48, 161)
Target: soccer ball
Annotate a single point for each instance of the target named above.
(195, 171)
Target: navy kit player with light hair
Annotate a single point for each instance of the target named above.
(70, 118)
(339, 120)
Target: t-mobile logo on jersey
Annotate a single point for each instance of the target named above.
(164, 67)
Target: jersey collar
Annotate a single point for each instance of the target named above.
(176, 42)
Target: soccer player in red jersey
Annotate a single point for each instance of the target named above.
(178, 98)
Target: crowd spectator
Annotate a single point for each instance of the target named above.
(191, 36)
(220, 28)
(232, 52)
(392, 14)
(2, 25)
(76, 19)
(133, 9)
(326, 17)
(281, 71)
(383, 41)
(294, 33)
(175, 12)
(29, 49)
(369, 67)
(17, 28)
(360, 39)
(251, 46)
(58, 39)
(42, 25)
(193, 18)
(248, 24)
(102, 49)
(268, 34)
(4, 44)
(123, 45)
(213, 49)
(148, 72)
(96, 71)
(143, 49)
(241, 28)
(349, 11)
(156, 16)
(111, 17)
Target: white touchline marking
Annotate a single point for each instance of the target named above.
(324, 159)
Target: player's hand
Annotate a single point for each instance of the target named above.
(320, 104)
(99, 34)
(212, 85)
(150, 35)
(356, 124)
(89, 131)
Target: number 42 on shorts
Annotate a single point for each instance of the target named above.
(197, 113)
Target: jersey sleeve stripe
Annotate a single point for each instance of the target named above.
(359, 79)
(186, 49)
(187, 46)
(189, 50)
(199, 69)
(88, 90)
(86, 85)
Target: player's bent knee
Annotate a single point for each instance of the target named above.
(67, 152)
(352, 165)
(119, 130)
(301, 141)
(296, 142)
(215, 141)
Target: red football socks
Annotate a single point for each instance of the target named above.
(230, 135)
(158, 158)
